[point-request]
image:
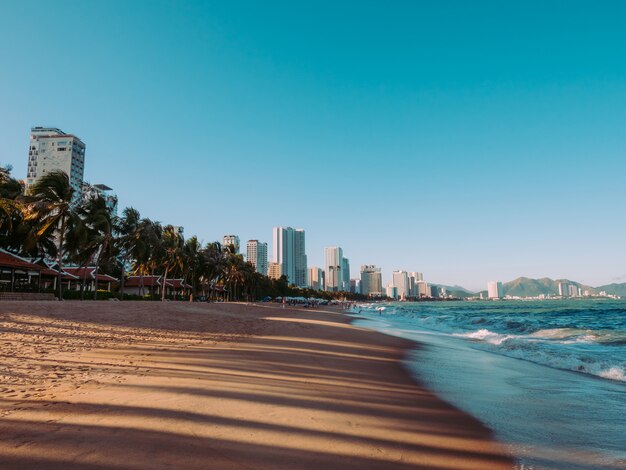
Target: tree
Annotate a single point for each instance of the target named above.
(170, 254)
(51, 203)
(128, 240)
(193, 260)
(101, 227)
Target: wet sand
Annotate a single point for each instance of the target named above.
(145, 385)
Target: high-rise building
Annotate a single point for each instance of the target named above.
(414, 277)
(494, 290)
(289, 250)
(50, 150)
(231, 240)
(333, 264)
(273, 271)
(423, 290)
(355, 286)
(371, 280)
(401, 282)
(316, 278)
(392, 292)
(256, 253)
(345, 274)
(300, 262)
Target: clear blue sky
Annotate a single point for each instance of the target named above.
(468, 140)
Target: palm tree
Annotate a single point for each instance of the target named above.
(128, 241)
(170, 254)
(213, 265)
(11, 193)
(193, 262)
(101, 225)
(51, 200)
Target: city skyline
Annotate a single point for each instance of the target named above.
(457, 141)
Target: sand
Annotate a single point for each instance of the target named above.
(146, 385)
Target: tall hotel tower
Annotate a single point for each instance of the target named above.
(333, 264)
(50, 150)
(256, 253)
(371, 280)
(289, 251)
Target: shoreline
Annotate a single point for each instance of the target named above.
(148, 385)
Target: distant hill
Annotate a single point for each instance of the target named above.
(526, 287)
(457, 291)
(615, 289)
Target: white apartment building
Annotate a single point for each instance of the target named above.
(494, 290)
(233, 240)
(256, 254)
(51, 149)
(423, 289)
(392, 292)
(371, 280)
(400, 281)
(289, 251)
(333, 265)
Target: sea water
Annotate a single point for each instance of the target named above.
(549, 377)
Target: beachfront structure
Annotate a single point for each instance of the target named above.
(569, 290)
(494, 290)
(274, 271)
(231, 240)
(333, 265)
(300, 265)
(423, 290)
(414, 278)
(345, 274)
(400, 281)
(51, 149)
(371, 281)
(256, 254)
(392, 292)
(289, 250)
(316, 278)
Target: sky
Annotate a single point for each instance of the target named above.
(471, 141)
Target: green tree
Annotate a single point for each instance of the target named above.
(51, 204)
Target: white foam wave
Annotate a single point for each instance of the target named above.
(486, 336)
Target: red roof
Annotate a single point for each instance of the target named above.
(88, 273)
(9, 260)
(146, 281)
(178, 284)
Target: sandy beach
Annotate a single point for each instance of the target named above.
(146, 385)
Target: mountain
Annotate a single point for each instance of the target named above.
(457, 291)
(526, 287)
(615, 289)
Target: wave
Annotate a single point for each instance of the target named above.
(552, 347)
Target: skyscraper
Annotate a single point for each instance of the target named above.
(316, 278)
(333, 263)
(233, 240)
(371, 280)
(50, 150)
(256, 253)
(289, 251)
(494, 290)
(300, 262)
(401, 282)
(345, 273)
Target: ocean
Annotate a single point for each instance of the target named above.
(548, 377)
